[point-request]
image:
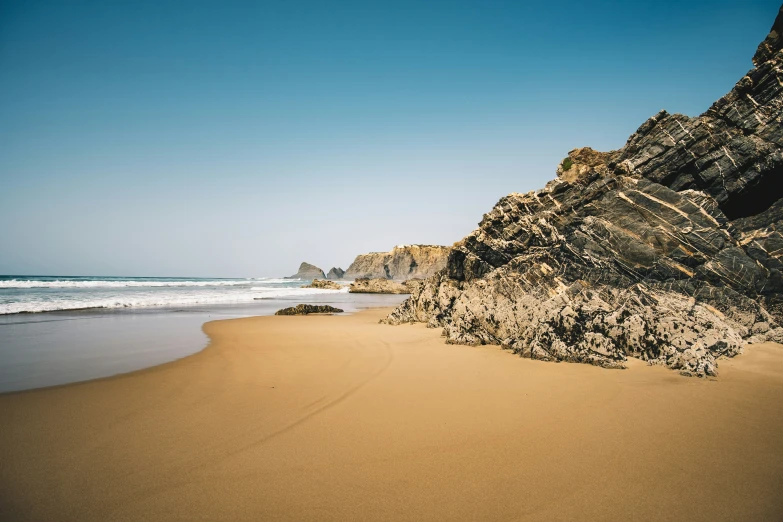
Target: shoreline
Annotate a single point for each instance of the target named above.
(338, 417)
(173, 361)
(53, 348)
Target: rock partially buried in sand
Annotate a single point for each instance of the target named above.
(323, 284)
(305, 309)
(378, 286)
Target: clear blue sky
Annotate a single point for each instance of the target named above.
(240, 138)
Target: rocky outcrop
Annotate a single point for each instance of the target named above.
(324, 285)
(668, 249)
(308, 271)
(305, 309)
(772, 43)
(335, 273)
(379, 286)
(401, 263)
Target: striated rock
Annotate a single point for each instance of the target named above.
(401, 263)
(335, 273)
(323, 285)
(308, 271)
(772, 43)
(668, 249)
(378, 286)
(305, 309)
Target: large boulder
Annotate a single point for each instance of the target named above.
(378, 286)
(307, 309)
(323, 285)
(668, 249)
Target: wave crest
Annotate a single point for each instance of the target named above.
(158, 299)
(15, 283)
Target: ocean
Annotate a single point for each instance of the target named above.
(19, 294)
(62, 329)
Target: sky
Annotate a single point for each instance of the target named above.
(238, 139)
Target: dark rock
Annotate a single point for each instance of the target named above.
(308, 272)
(305, 309)
(668, 249)
(772, 43)
(335, 273)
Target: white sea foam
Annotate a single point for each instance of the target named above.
(156, 298)
(14, 283)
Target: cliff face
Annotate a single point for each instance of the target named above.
(668, 249)
(308, 271)
(402, 262)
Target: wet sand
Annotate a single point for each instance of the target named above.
(340, 418)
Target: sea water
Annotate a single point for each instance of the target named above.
(19, 294)
(56, 330)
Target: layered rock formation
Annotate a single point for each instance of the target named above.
(668, 249)
(323, 284)
(335, 273)
(380, 286)
(306, 309)
(308, 271)
(401, 263)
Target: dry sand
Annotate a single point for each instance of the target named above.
(307, 418)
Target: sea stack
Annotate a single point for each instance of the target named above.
(667, 249)
(335, 273)
(309, 272)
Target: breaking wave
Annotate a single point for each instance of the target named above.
(20, 295)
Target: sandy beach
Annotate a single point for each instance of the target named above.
(340, 418)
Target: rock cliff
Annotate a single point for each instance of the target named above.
(668, 249)
(308, 271)
(402, 262)
(335, 273)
